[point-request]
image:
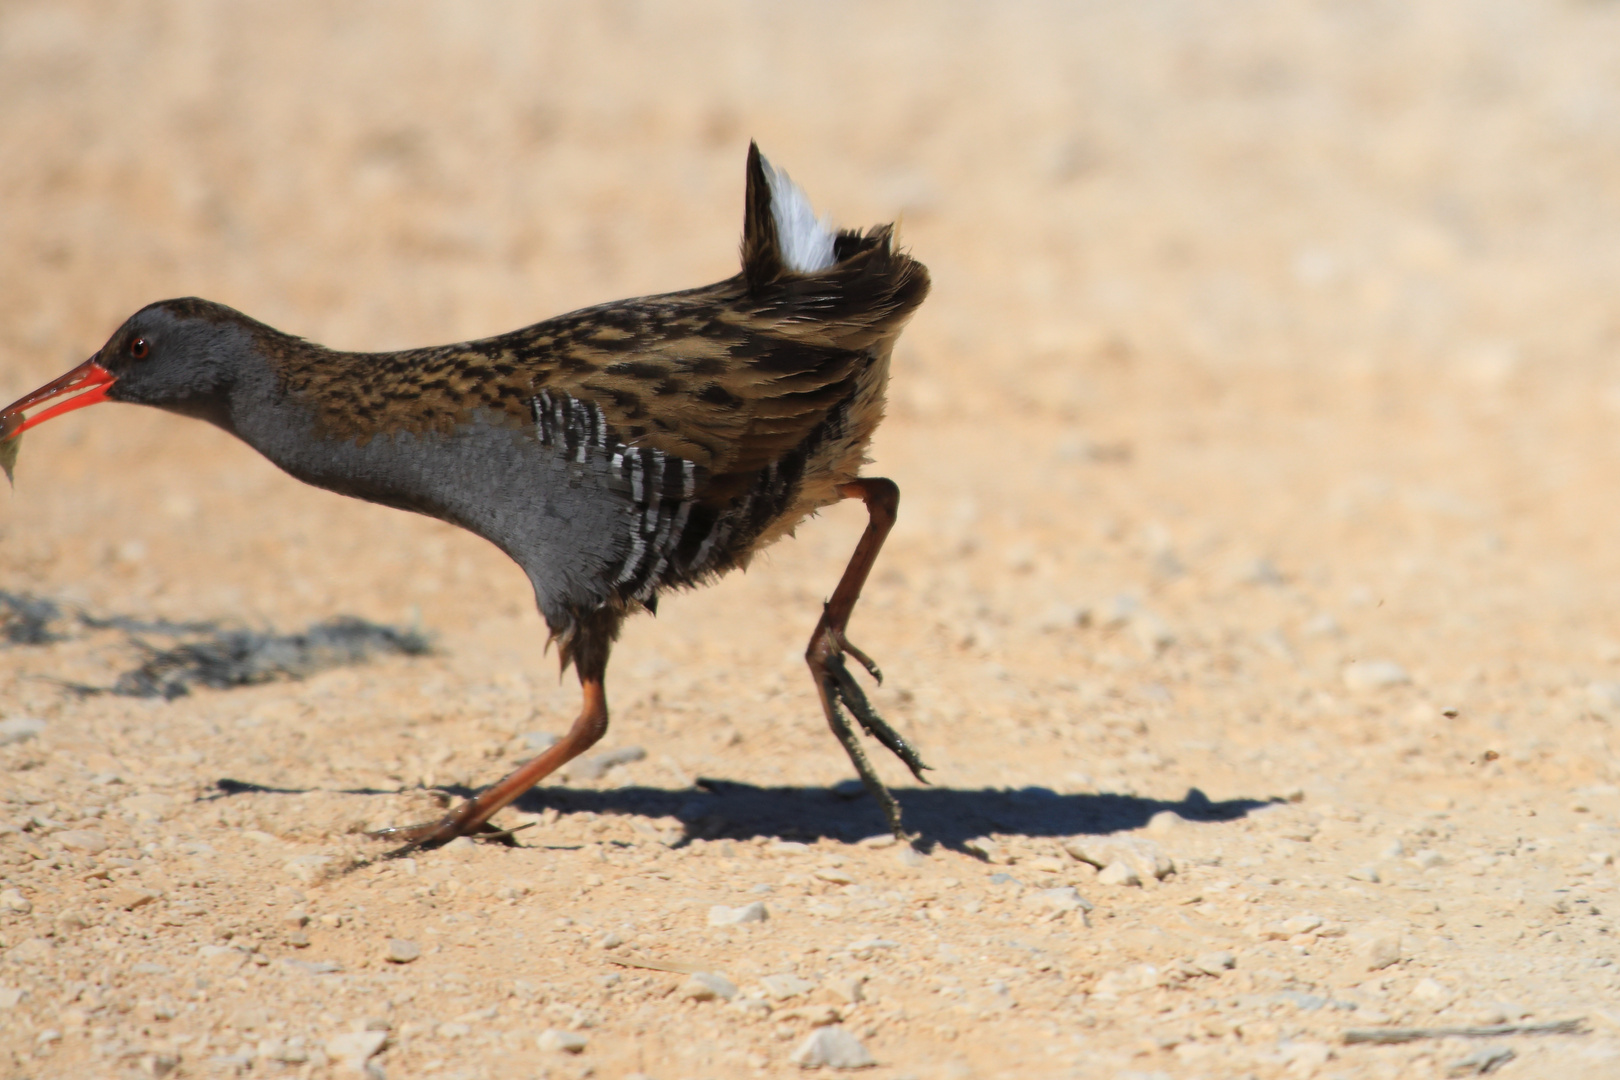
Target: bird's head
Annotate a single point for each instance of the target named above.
(178, 355)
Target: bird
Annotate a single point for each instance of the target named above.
(615, 453)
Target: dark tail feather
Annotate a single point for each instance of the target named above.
(761, 250)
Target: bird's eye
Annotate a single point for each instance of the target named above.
(139, 349)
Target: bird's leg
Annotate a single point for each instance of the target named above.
(473, 815)
(828, 646)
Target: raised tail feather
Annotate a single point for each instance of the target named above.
(854, 281)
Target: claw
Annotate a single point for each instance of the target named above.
(866, 661)
(843, 688)
(432, 834)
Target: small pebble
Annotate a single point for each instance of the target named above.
(1213, 963)
(1377, 947)
(554, 1040)
(1375, 675)
(1118, 873)
(12, 900)
(781, 987)
(19, 729)
(83, 840)
(594, 768)
(832, 1047)
(721, 915)
(708, 985)
(401, 951)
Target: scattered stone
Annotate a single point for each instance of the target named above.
(1064, 898)
(1603, 697)
(1213, 963)
(1140, 854)
(594, 768)
(1364, 873)
(1374, 675)
(20, 729)
(910, 857)
(881, 840)
(158, 1066)
(1165, 822)
(1152, 632)
(832, 1047)
(721, 915)
(1431, 992)
(1428, 860)
(536, 741)
(133, 897)
(834, 875)
(1376, 947)
(557, 1041)
(987, 849)
(309, 868)
(708, 985)
(310, 967)
(850, 988)
(148, 808)
(355, 1048)
(402, 951)
(1300, 924)
(12, 996)
(32, 951)
(1118, 873)
(14, 901)
(782, 987)
(87, 841)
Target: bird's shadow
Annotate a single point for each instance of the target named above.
(944, 816)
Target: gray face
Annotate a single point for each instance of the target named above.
(176, 361)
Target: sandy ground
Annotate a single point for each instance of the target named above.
(1255, 577)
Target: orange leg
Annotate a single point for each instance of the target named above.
(586, 647)
(828, 646)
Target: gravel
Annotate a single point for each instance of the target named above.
(832, 1047)
(402, 951)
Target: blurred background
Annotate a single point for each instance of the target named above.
(1260, 438)
(1265, 337)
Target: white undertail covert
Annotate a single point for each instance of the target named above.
(806, 241)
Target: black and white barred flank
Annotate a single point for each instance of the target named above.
(676, 539)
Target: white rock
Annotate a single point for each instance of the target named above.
(1213, 963)
(1064, 898)
(1152, 632)
(1428, 860)
(308, 868)
(12, 900)
(1164, 822)
(12, 996)
(1118, 873)
(401, 951)
(1364, 873)
(594, 768)
(1374, 675)
(1376, 946)
(1602, 697)
(781, 987)
(1301, 924)
(834, 1048)
(356, 1047)
(32, 951)
(1431, 992)
(555, 1040)
(721, 915)
(86, 840)
(708, 985)
(20, 729)
(149, 807)
(1137, 852)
